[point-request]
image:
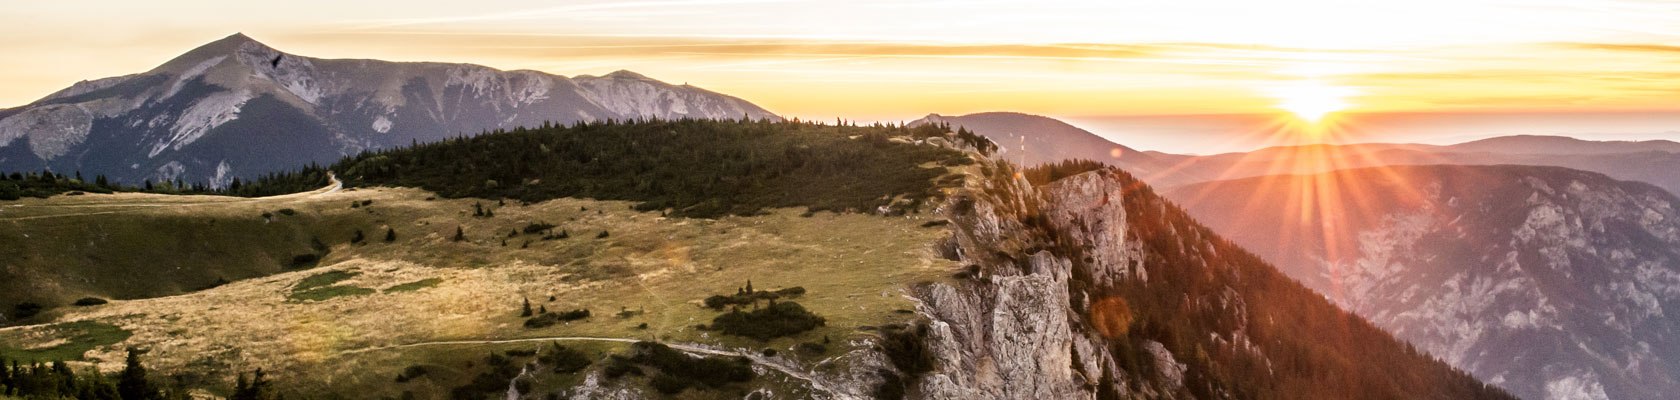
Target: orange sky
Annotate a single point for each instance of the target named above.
(895, 60)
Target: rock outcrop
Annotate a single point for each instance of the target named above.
(1091, 286)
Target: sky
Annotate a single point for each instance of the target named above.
(1115, 67)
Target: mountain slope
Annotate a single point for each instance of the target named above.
(1083, 283)
(1552, 283)
(238, 108)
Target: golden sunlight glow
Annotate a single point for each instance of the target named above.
(1311, 100)
(885, 60)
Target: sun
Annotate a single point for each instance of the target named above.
(1311, 101)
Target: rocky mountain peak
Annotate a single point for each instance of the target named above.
(198, 116)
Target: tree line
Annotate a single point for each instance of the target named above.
(57, 380)
(43, 184)
(693, 168)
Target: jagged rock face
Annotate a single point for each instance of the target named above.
(1551, 283)
(1090, 286)
(238, 108)
(1014, 336)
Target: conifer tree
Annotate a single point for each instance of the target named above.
(390, 235)
(132, 384)
(526, 311)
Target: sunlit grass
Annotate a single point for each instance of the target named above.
(59, 342)
(436, 289)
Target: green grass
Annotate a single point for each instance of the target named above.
(324, 293)
(322, 280)
(134, 246)
(80, 336)
(413, 286)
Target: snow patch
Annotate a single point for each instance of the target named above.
(382, 124)
(170, 171)
(214, 110)
(1584, 387)
(482, 80)
(223, 177)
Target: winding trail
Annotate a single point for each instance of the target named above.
(334, 186)
(816, 384)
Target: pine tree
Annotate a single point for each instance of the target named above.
(390, 235)
(460, 235)
(256, 389)
(132, 384)
(526, 311)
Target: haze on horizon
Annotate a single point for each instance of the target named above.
(1447, 70)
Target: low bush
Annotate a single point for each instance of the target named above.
(538, 227)
(811, 348)
(89, 301)
(26, 309)
(549, 319)
(411, 372)
(304, 261)
(718, 302)
(677, 372)
(565, 360)
(773, 321)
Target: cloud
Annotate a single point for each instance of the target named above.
(1629, 47)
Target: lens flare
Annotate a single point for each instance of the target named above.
(1311, 101)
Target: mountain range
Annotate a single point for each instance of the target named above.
(1032, 139)
(1552, 283)
(238, 108)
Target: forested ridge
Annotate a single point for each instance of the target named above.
(693, 168)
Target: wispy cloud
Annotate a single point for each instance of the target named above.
(599, 10)
(1633, 47)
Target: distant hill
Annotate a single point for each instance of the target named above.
(238, 108)
(1551, 283)
(1033, 140)
(1534, 144)
(1649, 164)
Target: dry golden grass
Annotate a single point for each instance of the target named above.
(853, 266)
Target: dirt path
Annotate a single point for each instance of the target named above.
(816, 385)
